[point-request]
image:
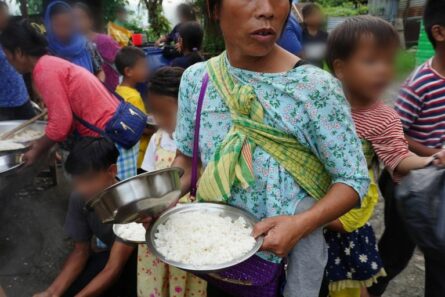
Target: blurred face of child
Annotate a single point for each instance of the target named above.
(314, 19)
(139, 72)
(62, 26)
(84, 22)
(368, 71)
(90, 184)
(164, 109)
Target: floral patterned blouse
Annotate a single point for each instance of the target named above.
(307, 103)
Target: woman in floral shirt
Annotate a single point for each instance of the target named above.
(298, 100)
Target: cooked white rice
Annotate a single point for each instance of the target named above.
(10, 145)
(26, 135)
(203, 238)
(131, 232)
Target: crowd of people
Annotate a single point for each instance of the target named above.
(297, 146)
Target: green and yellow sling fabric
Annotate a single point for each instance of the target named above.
(232, 163)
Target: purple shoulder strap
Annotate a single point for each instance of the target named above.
(195, 161)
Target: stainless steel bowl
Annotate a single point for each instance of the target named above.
(148, 194)
(10, 162)
(221, 209)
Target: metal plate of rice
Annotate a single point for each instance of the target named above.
(222, 210)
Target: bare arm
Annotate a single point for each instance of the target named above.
(420, 149)
(119, 255)
(73, 266)
(284, 232)
(412, 163)
(184, 162)
(40, 146)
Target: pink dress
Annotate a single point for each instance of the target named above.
(108, 49)
(66, 89)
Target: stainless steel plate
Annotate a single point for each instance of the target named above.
(145, 195)
(221, 209)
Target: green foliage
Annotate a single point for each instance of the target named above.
(345, 9)
(405, 63)
(109, 8)
(159, 25)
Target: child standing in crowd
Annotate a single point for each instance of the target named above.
(421, 106)
(154, 277)
(132, 65)
(189, 45)
(361, 54)
(314, 37)
(92, 166)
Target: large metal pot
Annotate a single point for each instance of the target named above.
(148, 194)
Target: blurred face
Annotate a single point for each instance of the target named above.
(90, 184)
(62, 25)
(315, 19)
(164, 109)
(139, 72)
(257, 26)
(85, 24)
(4, 17)
(121, 16)
(369, 71)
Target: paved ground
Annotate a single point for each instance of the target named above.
(33, 245)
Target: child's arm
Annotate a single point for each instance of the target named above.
(412, 162)
(420, 149)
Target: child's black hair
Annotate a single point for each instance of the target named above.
(434, 14)
(128, 56)
(344, 39)
(91, 154)
(21, 35)
(309, 9)
(192, 35)
(186, 11)
(166, 81)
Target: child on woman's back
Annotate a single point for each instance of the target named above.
(361, 54)
(154, 277)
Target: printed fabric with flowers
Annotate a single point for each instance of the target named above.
(305, 102)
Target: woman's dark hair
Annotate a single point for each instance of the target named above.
(309, 9)
(192, 35)
(434, 14)
(345, 38)
(91, 154)
(166, 81)
(128, 56)
(85, 8)
(186, 11)
(21, 35)
(60, 8)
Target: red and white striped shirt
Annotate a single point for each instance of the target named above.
(381, 126)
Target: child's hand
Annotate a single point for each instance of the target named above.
(439, 159)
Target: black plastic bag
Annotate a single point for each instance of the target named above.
(421, 201)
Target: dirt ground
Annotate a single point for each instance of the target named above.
(33, 244)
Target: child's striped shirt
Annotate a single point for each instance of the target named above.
(421, 106)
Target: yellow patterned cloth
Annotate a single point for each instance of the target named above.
(232, 162)
(358, 217)
(155, 278)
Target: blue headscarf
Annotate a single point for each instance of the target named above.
(76, 50)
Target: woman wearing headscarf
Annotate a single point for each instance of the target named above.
(65, 40)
